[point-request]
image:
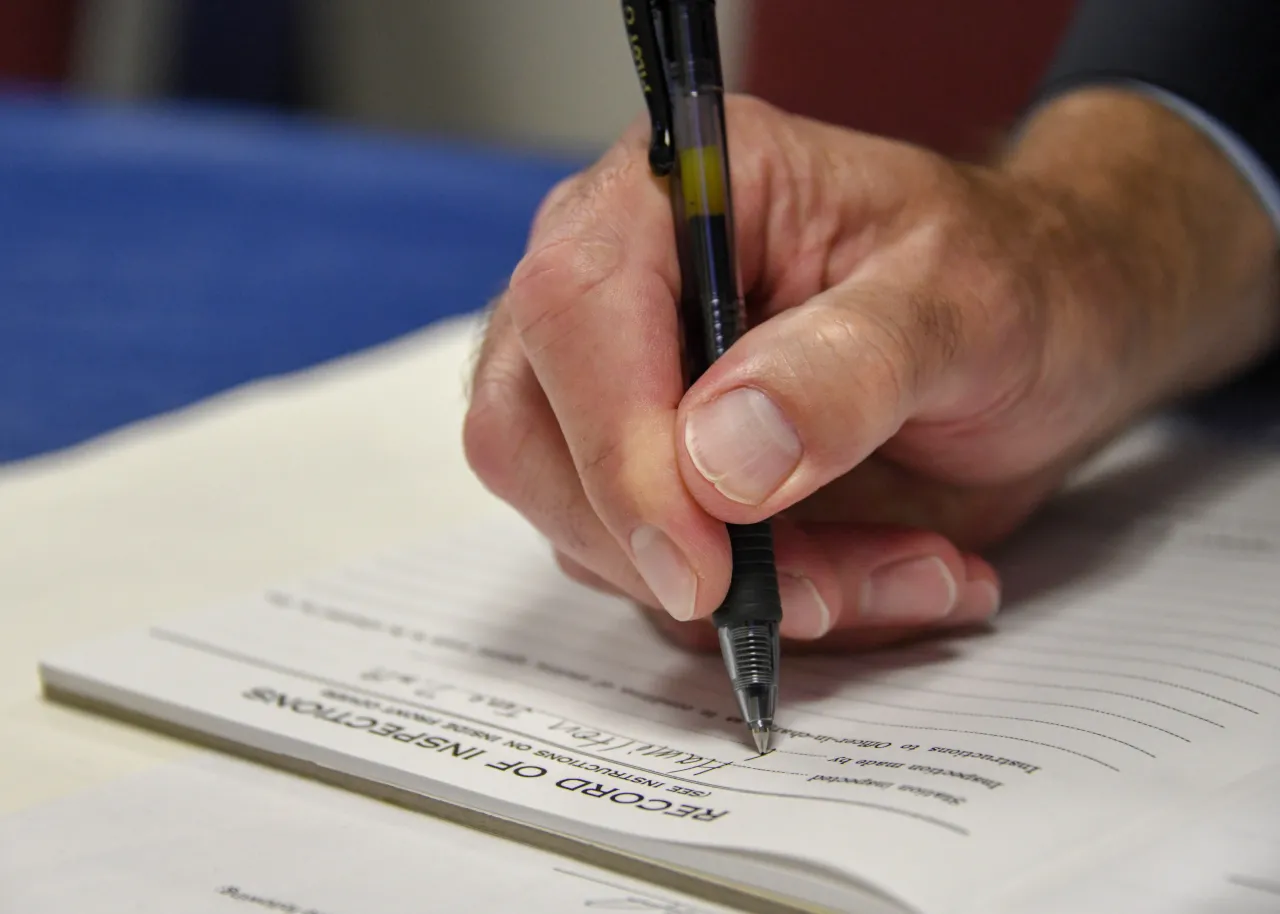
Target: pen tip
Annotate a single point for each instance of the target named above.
(761, 738)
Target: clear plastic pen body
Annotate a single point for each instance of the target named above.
(701, 196)
(714, 317)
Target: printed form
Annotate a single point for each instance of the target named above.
(1137, 675)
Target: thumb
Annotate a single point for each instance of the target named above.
(806, 396)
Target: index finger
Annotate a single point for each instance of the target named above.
(594, 303)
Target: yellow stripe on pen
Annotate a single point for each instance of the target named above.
(702, 181)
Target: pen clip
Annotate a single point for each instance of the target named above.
(646, 53)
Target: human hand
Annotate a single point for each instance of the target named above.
(934, 346)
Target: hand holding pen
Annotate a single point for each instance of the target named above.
(677, 56)
(900, 399)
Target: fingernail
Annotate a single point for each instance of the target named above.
(981, 600)
(914, 590)
(665, 571)
(804, 613)
(742, 444)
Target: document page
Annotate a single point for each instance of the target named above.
(216, 836)
(1137, 670)
(1222, 860)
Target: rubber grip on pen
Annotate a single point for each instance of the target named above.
(753, 589)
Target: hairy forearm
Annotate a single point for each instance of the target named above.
(1162, 232)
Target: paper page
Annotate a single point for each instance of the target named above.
(1225, 860)
(216, 836)
(1138, 671)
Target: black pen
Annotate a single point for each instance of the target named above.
(676, 50)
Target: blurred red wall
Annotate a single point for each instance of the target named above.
(35, 39)
(947, 74)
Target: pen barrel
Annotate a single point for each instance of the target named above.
(712, 308)
(701, 196)
(714, 318)
(753, 589)
(693, 46)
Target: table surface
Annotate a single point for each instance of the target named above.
(176, 260)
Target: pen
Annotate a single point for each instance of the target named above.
(675, 48)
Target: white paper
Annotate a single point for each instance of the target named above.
(1138, 675)
(1223, 860)
(217, 836)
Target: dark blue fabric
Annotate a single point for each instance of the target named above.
(150, 259)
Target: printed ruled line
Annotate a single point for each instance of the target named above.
(379, 591)
(1163, 607)
(1031, 683)
(1114, 626)
(1025, 720)
(866, 722)
(343, 593)
(1249, 623)
(554, 644)
(802, 774)
(237, 657)
(1152, 645)
(882, 684)
(712, 693)
(799, 712)
(540, 685)
(577, 697)
(1084, 671)
(1128, 658)
(508, 670)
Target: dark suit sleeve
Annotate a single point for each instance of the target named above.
(1223, 56)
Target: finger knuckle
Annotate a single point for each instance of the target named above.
(562, 191)
(576, 239)
(551, 280)
(877, 352)
(571, 260)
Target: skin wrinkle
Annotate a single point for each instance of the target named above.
(552, 326)
(506, 408)
(840, 332)
(794, 229)
(1029, 277)
(597, 466)
(888, 350)
(857, 234)
(799, 232)
(561, 193)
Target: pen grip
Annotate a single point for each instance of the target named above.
(753, 588)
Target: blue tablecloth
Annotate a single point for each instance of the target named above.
(151, 258)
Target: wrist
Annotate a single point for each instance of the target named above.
(1148, 234)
